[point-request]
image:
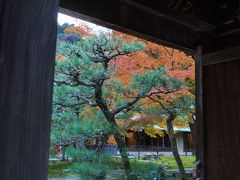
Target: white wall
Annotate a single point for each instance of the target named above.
(180, 145)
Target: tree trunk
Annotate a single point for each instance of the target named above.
(174, 147)
(115, 130)
(193, 132)
(122, 149)
(101, 145)
(64, 154)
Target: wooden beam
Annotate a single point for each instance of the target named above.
(227, 41)
(27, 53)
(216, 12)
(221, 56)
(228, 29)
(124, 16)
(172, 15)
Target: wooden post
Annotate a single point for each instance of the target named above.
(199, 116)
(138, 148)
(221, 117)
(27, 52)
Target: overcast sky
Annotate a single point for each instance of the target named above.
(62, 18)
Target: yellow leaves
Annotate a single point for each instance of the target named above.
(179, 124)
(124, 133)
(190, 118)
(152, 125)
(153, 132)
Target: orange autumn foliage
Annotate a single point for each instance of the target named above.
(60, 57)
(178, 65)
(82, 31)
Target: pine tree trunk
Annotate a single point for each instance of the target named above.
(115, 129)
(122, 149)
(63, 154)
(174, 147)
(101, 145)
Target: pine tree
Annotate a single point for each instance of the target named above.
(86, 78)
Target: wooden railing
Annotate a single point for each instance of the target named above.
(160, 149)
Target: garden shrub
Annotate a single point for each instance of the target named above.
(88, 164)
(92, 166)
(89, 170)
(148, 170)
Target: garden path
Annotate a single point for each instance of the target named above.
(63, 179)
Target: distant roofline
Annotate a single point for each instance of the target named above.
(187, 129)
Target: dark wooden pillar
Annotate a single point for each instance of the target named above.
(199, 116)
(220, 150)
(27, 51)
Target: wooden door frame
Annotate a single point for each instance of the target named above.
(27, 52)
(199, 115)
(201, 60)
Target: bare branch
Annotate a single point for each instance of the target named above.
(164, 91)
(65, 83)
(126, 106)
(78, 83)
(69, 105)
(161, 104)
(170, 53)
(90, 103)
(137, 98)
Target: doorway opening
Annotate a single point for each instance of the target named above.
(122, 106)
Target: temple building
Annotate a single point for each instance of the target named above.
(140, 141)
